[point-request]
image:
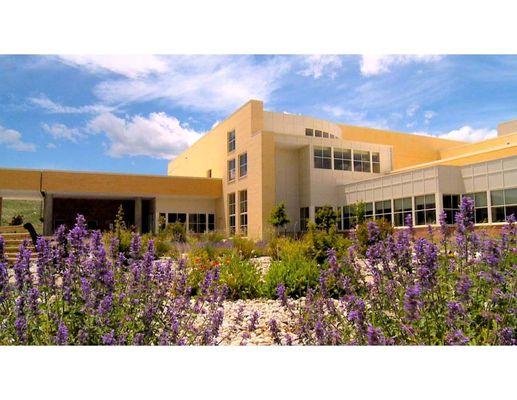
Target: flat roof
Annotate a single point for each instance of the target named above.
(102, 183)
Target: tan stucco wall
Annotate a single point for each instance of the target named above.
(506, 128)
(16, 179)
(501, 142)
(210, 152)
(108, 184)
(408, 149)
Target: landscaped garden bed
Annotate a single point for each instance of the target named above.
(382, 287)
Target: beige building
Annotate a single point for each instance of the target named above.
(233, 176)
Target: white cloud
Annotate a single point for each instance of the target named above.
(61, 131)
(207, 83)
(12, 139)
(378, 64)
(469, 134)
(56, 108)
(412, 109)
(428, 115)
(159, 135)
(128, 66)
(319, 65)
(51, 146)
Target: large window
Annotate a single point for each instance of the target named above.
(347, 216)
(451, 205)
(211, 222)
(383, 210)
(231, 212)
(504, 204)
(480, 207)
(425, 209)
(368, 210)
(323, 157)
(362, 161)
(376, 162)
(231, 169)
(243, 165)
(176, 217)
(243, 212)
(343, 159)
(231, 141)
(197, 223)
(304, 218)
(401, 208)
(309, 132)
(318, 133)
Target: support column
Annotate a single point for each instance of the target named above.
(48, 209)
(138, 214)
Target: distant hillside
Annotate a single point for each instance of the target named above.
(29, 209)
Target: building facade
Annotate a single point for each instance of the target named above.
(231, 178)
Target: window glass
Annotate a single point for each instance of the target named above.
(317, 133)
(401, 208)
(362, 161)
(497, 197)
(304, 218)
(243, 165)
(343, 159)
(322, 157)
(425, 209)
(231, 169)
(231, 141)
(211, 222)
(451, 205)
(376, 162)
(231, 212)
(326, 135)
(309, 132)
(243, 212)
(480, 207)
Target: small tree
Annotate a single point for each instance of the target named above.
(279, 218)
(359, 210)
(326, 217)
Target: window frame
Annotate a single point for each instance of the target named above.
(322, 159)
(504, 206)
(364, 160)
(243, 212)
(376, 165)
(243, 166)
(230, 169)
(232, 212)
(339, 159)
(427, 211)
(231, 141)
(399, 215)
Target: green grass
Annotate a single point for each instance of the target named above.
(29, 209)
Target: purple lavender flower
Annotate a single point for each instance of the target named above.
(412, 303)
(456, 337)
(108, 339)
(275, 331)
(375, 336)
(4, 282)
(280, 290)
(253, 321)
(507, 337)
(62, 334)
(463, 286)
(426, 255)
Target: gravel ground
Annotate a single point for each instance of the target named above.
(234, 333)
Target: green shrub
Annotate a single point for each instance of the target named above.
(292, 268)
(244, 247)
(242, 278)
(320, 241)
(177, 231)
(361, 232)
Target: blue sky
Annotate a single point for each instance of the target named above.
(134, 113)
